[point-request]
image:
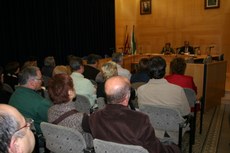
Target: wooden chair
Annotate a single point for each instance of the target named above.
(102, 146)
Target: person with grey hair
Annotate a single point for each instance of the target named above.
(118, 58)
(15, 133)
(117, 123)
(27, 100)
(49, 64)
(82, 85)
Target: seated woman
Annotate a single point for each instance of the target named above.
(63, 112)
(177, 70)
(167, 49)
(109, 70)
(142, 72)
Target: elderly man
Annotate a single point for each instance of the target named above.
(27, 100)
(15, 133)
(117, 123)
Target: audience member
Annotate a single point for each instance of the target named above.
(118, 58)
(167, 49)
(47, 69)
(119, 124)
(186, 48)
(27, 100)
(177, 70)
(142, 72)
(69, 57)
(82, 85)
(15, 133)
(32, 61)
(5, 89)
(11, 74)
(62, 93)
(91, 69)
(158, 91)
(60, 69)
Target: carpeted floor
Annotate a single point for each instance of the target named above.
(207, 142)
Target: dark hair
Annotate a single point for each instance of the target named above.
(143, 65)
(8, 127)
(58, 88)
(12, 67)
(93, 59)
(157, 66)
(178, 65)
(27, 73)
(75, 63)
(117, 57)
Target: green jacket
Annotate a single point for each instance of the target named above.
(31, 105)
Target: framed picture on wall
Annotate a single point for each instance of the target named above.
(211, 4)
(145, 7)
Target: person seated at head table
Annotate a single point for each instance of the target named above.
(176, 76)
(15, 133)
(117, 123)
(186, 49)
(62, 93)
(167, 49)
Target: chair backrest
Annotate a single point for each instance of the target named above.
(82, 104)
(60, 139)
(101, 102)
(163, 118)
(102, 146)
(136, 85)
(191, 96)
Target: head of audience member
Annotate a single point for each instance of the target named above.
(117, 90)
(76, 65)
(117, 58)
(61, 89)
(178, 66)
(60, 69)
(15, 133)
(157, 67)
(30, 77)
(12, 67)
(49, 61)
(109, 70)
(143, 65)
(93, 60)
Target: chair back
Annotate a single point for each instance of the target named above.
(102, 146)
(101, 102)
(191, 96)
(163, 118)
(82, 104)
(60, 139)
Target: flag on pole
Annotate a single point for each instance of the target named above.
(133, 43)
(126, 41)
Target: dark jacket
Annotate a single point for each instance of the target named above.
(119, 124)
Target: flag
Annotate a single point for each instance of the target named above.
(126, 42)
(133, 43)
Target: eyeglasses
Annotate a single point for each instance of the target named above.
(39, 79)
(29, 123)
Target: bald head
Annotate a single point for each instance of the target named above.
(12, 138)
(117, 90)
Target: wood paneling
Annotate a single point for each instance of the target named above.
(175, 22)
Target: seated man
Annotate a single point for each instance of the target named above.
(82, 85)
(117, 123)
(177, 70)
(118, 58)
(91, 69)
(167, 49)
(15, 133)
(27, 100)
(186, 48)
